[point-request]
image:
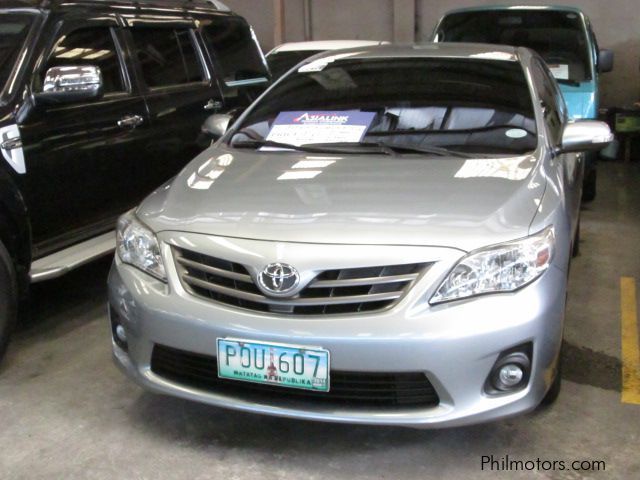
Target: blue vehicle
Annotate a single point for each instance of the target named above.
(561, 35)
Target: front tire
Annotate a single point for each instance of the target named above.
(8, 299)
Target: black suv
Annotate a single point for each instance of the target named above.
(100, 102)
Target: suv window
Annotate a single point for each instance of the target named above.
(13, 31)
(168, 56)
(90, 46)
(236, 49)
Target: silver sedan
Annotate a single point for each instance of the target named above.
(383, 237)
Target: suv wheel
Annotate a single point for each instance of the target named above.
(8, 299)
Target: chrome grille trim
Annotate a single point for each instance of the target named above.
(333, 291)
(215, 271)
(373, 297)
(353, 282)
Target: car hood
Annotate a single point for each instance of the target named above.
(350, 199)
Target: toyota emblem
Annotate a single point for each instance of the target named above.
(278, 278)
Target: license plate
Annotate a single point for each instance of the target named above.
(283, 365)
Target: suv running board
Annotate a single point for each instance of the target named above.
(59, 263)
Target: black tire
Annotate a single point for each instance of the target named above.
(589, 186)
(8, 299)
(575, 251)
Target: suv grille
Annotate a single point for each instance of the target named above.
(347, 388)
(347, 290)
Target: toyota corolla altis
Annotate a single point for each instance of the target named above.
(383, 237)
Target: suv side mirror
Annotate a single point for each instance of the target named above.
(605, 61)
(216, 125)
(585, 135)
(72, 83)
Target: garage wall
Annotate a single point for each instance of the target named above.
(616, 24)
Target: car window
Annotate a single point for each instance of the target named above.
(469, 105)
(558, 36)
(552, 101)
(13, 32)
(236, 50)
(90, 46)
(168, 56)
(281, 62)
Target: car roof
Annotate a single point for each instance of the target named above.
(177, 5)
(426, 50)
(325, 45)
(496, 8)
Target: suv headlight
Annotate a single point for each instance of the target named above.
(501, 268)
(138, 246)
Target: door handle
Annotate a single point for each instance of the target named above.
(213, 105)
(11, 144)
(130, 121)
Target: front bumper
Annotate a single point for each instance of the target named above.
(455, 345)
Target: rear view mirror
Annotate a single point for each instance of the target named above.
(605, 61)
(585, 135)
(216, 125)
(70, 84)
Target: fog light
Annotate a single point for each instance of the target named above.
(510, 375)
(511, 371)
(118, 332)
(121, 334)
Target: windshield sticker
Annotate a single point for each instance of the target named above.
(307, 127)
(516, 133)
(560, 71)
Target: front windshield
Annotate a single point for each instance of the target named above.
(414, 104)
(559, 37)
(13, 32)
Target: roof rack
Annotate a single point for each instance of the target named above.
(217, 4)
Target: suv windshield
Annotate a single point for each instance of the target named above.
(13, 31)
(281, 62)
(404, 105)
(559, 37)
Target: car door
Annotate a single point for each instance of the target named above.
(179, 90)
(78, 155)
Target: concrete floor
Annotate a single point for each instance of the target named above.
(67, 412)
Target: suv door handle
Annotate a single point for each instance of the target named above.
(130, 121)
(213, 105)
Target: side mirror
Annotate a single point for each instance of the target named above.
(605, 61)
(216, 125)
(585, 135)
(72, 83)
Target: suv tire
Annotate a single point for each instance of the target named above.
(8, 299)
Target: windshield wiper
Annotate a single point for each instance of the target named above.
(336, 147)
(393, 149)
(270, 143)
(369, 147)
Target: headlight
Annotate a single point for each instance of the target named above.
(138, 246)
(501, 268)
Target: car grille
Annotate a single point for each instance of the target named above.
(346, 388)
(347, 290)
